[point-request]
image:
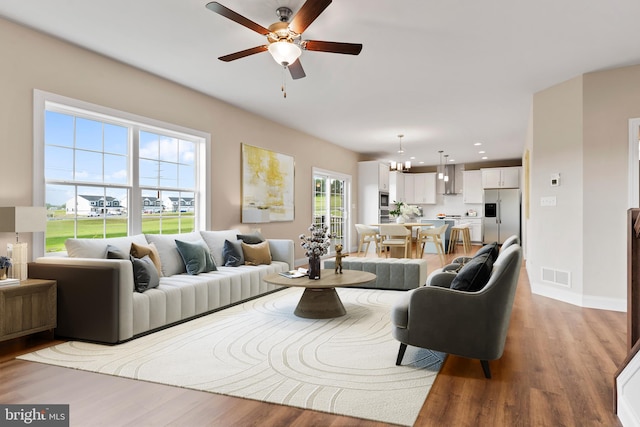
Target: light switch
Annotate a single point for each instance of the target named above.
(548, 201)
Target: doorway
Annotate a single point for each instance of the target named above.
(634, 163)
(331, 201)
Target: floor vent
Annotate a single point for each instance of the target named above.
(557, 277)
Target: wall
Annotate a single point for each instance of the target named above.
(32, 60)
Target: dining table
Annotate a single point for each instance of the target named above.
(410, 226)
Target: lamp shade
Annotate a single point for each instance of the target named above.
(284, 52)
(23, 219)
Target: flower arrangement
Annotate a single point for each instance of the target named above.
(5, 262)
(317, 243)
(404, 210)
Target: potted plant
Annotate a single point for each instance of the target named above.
(403, 212)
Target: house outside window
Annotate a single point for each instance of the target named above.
(108, 173)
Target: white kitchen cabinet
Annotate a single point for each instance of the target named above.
(472, 189)
(383, 177)
(501, 177)
(424, 189)
(409, 187)
(396, 187)
(475, 228)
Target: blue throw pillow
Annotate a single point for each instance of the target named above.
(196, 256)
(232, 253)
(145, 274)
(474, 275)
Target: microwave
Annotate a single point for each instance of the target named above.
(384, 200)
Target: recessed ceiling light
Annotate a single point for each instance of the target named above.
(421, 163)
(484, 157)
(481, 152)
(478, 143)
(452, 160)
(412, 157)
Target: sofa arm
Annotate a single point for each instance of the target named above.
(87, 301)
(85, 287)
(442, 279)
(282, 250)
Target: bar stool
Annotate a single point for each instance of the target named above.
(460, 231)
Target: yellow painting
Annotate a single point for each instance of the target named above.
(267, 185)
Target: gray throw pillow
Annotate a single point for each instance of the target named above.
(491, 249)
(474, 275)
(251, 239)
(114, 252)
(196, 256)
(145, 274)
(232, 253)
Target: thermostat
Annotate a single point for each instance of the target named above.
(555, 179)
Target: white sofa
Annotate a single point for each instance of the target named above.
(96, 296)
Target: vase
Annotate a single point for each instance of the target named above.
(314, 268)
(400, 220)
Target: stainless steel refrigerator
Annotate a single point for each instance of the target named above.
(501, 214)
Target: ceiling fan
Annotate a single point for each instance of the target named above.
(284, 40)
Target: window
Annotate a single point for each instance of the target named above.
(330, 204)
(107, 173)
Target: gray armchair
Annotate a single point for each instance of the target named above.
(468, 324)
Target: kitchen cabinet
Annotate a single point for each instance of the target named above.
(373, 178)
(383, 177)
(475, 228)
(409, 187)
(472, 188)
(424, 188)
(396, 187)
(501, 177)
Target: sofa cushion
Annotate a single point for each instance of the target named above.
(474, 275)
(232, 253)
(196, 256)
(170, 258)
(491, 249)
(251, 239)
(97, 248)
(215, 241)
(256, 254)
(139, 251)
(145, 275)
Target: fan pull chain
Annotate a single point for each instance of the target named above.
(283, 88)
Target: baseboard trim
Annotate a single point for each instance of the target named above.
(586, 301)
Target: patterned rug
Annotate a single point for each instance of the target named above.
(260, 350)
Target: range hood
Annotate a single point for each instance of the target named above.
(450, 185)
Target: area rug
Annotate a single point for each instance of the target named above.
(260, 350)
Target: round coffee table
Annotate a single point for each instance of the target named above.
(320, 299)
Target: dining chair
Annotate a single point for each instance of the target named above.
(426, 235)
(395, 235)
(367, 234)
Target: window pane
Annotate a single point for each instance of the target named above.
(116, 139)
(187, 152)
(116, 217)
(58, 129)
(169, 149)
(88, 134)
(149, 175)
(168, 174)
(88, 166)
(58, 163)
(186, 176)
(115, 169)
(149, 145)
(60, 222)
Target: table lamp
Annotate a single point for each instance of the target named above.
(21, 219)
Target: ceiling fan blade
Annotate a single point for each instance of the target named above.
(216, 7)
(243, 53)
(334, 47)
(296, 70)
(307, 14)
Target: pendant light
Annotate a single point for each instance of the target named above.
(446, 173)
(440, 168)
(400, 165)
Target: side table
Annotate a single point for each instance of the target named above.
(27, 308)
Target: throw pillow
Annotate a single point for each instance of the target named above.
(232, 253)
(145, 275)
(115, 253)
(172, 262)
(251, 239)
(491, 249)
(139, 251)
(474, 275)
(256, 254)
(196, 256)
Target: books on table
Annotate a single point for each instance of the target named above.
(292, 274)
(9, 282)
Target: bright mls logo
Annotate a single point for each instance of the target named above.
(36, 415)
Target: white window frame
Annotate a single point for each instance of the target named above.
(42, 99)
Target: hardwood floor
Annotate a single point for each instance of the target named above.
(557, 370)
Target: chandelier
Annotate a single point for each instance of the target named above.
(400, 165)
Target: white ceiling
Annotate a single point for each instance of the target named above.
(446, 74)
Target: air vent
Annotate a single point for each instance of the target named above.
(557, 277)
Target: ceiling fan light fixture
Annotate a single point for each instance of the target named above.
(284, 52)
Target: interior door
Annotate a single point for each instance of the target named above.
(330, 206)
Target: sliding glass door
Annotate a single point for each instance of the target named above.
(331, 205)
